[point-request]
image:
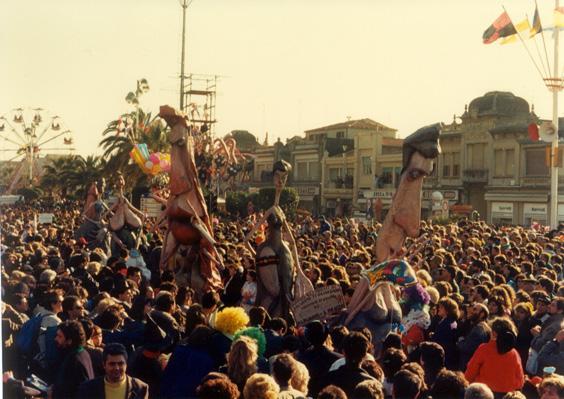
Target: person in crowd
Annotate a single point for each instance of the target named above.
(523, 316)
(350, 375)
(432, 358)
(445, 332)
(283, 367)
(496, 363)
(218, 387)
(449, 385)
(416, 319)
(546, 332)
(242, 360)
(407, 385)
(479, 333)
(76, 367)
(261, 386)
(552, 387)
(318, 358)
(116, 383)
(332, 392)
(477, 390)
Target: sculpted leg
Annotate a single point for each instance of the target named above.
(170, 246)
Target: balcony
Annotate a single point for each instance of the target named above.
(475, 176)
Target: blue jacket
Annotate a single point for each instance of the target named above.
(185, 370)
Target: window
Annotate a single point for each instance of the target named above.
(446, 170)
(340, 135)
(334, 173)
(387, 176)
(475, 156)
(456, 164)
(510, 163)
(499, 161)
(535, 164)
(314, 168)
(302, 170)
(366, 165)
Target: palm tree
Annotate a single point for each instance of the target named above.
(55, 176)
(132, 128)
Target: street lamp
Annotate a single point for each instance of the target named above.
(184, 4)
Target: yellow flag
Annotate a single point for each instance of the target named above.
(559, 17)
(519, 27)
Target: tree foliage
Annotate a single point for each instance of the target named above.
(236, 201)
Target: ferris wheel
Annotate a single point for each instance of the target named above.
(25, 133)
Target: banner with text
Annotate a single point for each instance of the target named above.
(319, 304)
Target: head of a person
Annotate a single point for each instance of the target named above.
(115, 362)
(261, 386)
(391, 360)
(368, 389)
(355, 347)
(505, 334)
(478, 312)
(407, 385)
(70, 335)
(552, 387)
(283, 367)
(279, 325)
(52, 300)
(449, 385)
(217, 388)
(448, 308)
(331, 392)
(316, 333)
(72, 306)
(242, 359)
(210, 301)
(556, 306)
(300, 378)
(477, 390)
(257, 316)
(432, 356)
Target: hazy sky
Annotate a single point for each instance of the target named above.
(285, 66)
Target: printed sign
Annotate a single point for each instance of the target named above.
(502, 207)
(151, 207)
(319, 304)
(45, 218)
(535, 209)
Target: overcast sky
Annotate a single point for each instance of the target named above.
(285, 66)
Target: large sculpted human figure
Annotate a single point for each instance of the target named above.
(93, 228)
(373, 303)
(126, 220)
(188, 222)
(280, 279)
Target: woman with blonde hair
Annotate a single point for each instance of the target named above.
(242, 360)
(261, 386)
(300, 378)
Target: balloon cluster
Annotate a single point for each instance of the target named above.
(151, 164)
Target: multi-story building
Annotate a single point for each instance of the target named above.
(489, 161)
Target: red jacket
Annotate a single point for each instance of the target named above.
(502, 373)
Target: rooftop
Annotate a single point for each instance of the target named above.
(365, 123)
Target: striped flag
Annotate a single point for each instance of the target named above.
(537, 27)
(501, 27)
(519, 27)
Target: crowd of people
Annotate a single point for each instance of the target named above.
(484, 320)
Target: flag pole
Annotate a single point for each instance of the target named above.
(554, 157)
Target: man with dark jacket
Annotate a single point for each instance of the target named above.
(317, 358)
(116, 383)
(547, 332)
(76, 367)
(350, 375)
(479, 333)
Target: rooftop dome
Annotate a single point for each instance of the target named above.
(498, 103)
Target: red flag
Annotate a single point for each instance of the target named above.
(501, 27)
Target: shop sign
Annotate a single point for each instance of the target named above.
(307, 191)
(383, 193)
(451, 195)
(45, 218)
(151, 207)
(535, 209)
(502, 207)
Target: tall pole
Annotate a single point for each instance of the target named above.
(184, 7)
(554, 157)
